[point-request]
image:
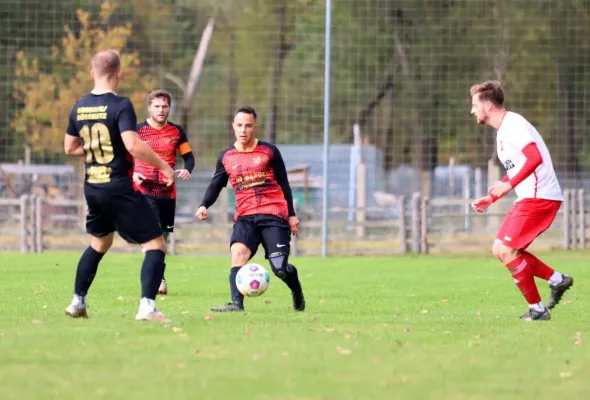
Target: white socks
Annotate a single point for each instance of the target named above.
(79, 301)
(537, 307)
(556, 278)
(147, 305)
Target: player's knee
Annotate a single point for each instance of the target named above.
(279, 263)
(155, 244)
(507, 254)
(496, 250)
(240, 254)
(102, 244)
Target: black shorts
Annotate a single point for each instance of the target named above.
(165, 210)
(272, 232)
(124, 211)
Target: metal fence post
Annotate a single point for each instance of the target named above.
(566, 219)
(424, 226)
(416, 222)
(581, 220)
(402, 233)
(24, 245)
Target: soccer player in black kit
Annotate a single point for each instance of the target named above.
(102, 129)
(264, 207)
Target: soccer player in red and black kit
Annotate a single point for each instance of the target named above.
(165, 138)
(102, 129)
(264, 207)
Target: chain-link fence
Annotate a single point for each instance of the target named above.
(399, 114)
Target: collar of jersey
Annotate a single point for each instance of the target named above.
(247, 150)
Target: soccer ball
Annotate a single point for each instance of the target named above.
(252, 280)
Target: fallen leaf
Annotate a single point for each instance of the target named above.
(162, 298)
(396, 309)
(124, 315)
(424, 311)
(209, 317)
(377, 339)
(330, 330)
(444, 300)
(285, 353)
(404, 379)
(257, 357)
(267, 301)
(184, 312)
(37, 321)
(407, 330)
(181, 365)
(565, 374)
(322, 301)
(343, 351)
(578, 338)
(566, 302)
(246, 331)
(478, 314)
(121, 298)
(479, 336)
(176, 329)
(197, 352)
(347, 336)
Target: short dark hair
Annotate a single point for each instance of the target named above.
(246, 110)
(489, 91)
(155, 94)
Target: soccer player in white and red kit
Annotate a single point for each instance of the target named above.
(529, 171)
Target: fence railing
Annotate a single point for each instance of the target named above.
(415, 224)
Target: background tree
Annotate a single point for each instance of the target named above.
(48, 94)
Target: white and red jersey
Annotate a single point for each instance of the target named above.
(514, 134)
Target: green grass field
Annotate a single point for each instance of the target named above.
(374, 328)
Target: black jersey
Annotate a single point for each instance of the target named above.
(99, 120)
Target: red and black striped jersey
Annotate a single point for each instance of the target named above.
(259, 179)
(165, 142)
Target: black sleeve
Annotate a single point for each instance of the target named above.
(189, 161)
(278, 165)
(187, 156)
(126, 117)
(218, 182)
(72, 128)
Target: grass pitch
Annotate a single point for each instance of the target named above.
(374, 328)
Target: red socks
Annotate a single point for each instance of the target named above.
(538, 267)
(524, 278)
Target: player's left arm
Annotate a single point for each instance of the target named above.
(73, 145)
(186, 152)
(278, 166)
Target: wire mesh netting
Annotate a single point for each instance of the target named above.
(400, 78)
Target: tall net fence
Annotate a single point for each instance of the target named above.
(399, 115)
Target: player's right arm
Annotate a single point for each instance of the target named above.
(136, 147)
(73, 145)
(218, 182)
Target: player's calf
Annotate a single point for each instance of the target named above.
(279, 263)
(152, 271)
(85, 274)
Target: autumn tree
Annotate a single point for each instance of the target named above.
(48, 93)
